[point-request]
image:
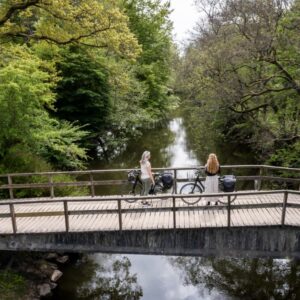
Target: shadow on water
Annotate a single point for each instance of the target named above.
(102, 276)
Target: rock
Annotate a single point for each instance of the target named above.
(62, 259)
(53, 285)
(44, 290)
(47, 268)
(51, 256)
(56, 275)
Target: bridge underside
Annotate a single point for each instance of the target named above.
(235, 241)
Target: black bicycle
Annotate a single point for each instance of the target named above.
(163, 182)
(195, 187)
(226, 184)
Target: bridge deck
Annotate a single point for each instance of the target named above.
(103, 215)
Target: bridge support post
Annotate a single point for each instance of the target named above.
(92, 185)
(13, 218)
(257, 182)
(120, 214)
(174, 213)
(11, 191)
(175, 182)
(228, 211)
(66, 215)
(51, 186)
(285, 198)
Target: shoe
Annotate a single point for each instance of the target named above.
(208, 203)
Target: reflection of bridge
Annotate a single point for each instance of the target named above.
(256, 223)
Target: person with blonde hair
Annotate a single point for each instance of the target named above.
(212, 171)
(146, 175)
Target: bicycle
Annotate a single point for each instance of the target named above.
(137, 185)
(192, 188)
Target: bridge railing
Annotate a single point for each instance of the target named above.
(11, 182)
(121, 208)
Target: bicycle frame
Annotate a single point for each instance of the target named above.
(201, 185)
(137, 180)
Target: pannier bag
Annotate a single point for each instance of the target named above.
(228, 183)
(132, 175)
(167, 180)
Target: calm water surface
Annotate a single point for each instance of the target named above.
(103, 276)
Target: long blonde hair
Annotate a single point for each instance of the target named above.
(145, 157)
(212, 164)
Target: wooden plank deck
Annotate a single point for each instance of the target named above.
(157, 216)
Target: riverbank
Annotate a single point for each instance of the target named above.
(31, 276)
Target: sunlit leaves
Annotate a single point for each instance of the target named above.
(91, 22)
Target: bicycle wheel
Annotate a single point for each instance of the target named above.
(158, 188)
(189, 189)
(225, 202)
(127, 191)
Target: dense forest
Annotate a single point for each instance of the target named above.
(79, 78)
(239, 77)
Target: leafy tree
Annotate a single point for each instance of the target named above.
(83, 91)
(149, 20)
(240, 71)
(92, 23)
(25, 90)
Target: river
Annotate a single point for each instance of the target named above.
(103, 276)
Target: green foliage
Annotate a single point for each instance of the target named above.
(83, 91)
(288, 156)
(93, 23)
(69, 74)
(25, 93)
(149, 20)
(12, 285)
(240, 73)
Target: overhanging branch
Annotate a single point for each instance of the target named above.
(15, 7)
(248, 110)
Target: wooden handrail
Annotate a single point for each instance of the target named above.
(129, 197)
(154, 169)
(92, 183)
(66, 212)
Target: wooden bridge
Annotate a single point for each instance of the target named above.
(265, 222)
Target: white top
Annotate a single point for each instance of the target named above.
(144, 170)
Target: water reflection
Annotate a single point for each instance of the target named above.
(161, 279)
(102, 276)
(258, 279)
(167, 145)
(99, 277)
(180, 155)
